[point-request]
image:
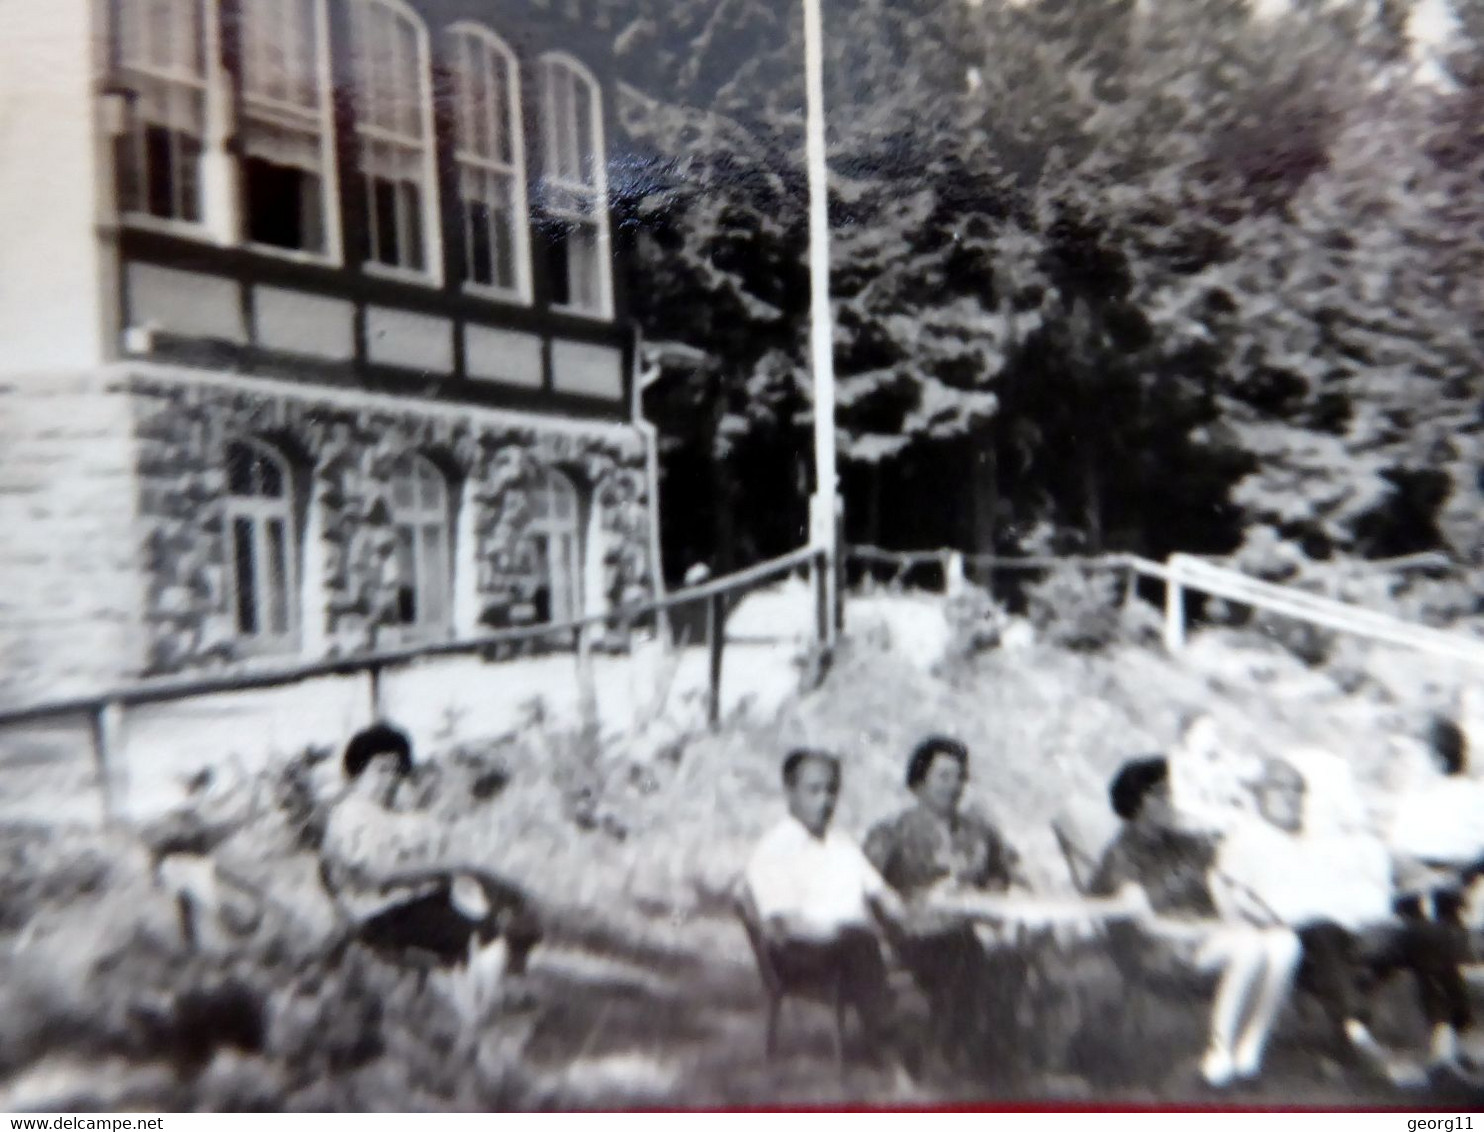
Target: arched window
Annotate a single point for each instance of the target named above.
(423, 520)
(575, 186)
(163, 51)
(394, 128)
(556, 545)
(489, 149)
(261, 543)
(286, 125)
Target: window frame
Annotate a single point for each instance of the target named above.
(417, 517)
(597, 190)
(334, 250)
(260, 510)
(517, 171)
(431, 274)
(208, 85)
(549, 527)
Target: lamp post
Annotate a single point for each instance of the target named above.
(824, 507)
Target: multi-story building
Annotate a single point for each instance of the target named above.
(311, 336)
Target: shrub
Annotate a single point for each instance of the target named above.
(1310, 643)
(975, 625)
(1076, 608)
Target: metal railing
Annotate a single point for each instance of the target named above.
(106, 710)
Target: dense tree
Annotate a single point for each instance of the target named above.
(1152, 275)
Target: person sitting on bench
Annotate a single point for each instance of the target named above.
(1437, 837)
(391, 873)
(929, 850)
(1329, 888)
(1153, 862)
(818, 899)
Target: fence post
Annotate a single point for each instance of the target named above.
(953, 573)
(373, 675)
(716, 629)
(1174, 609)
(108, 746)
(822, 611)
(587, 682)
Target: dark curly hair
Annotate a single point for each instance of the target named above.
(929, 749)
(374, 741)
(1449, 744)
(1133, 782)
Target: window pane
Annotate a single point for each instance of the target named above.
(188, 155)
(129, 164)
(159, 164)
(434, 576)
(412, 224)
(307, 88)
(409, 79)
(583, 165)
(559, 267)
(406, 564)
(502, 235)
(311, 213)
(561, 117)
(247, 590)
(240, 469)
(161, 34)
(480, 257)
(277, 581)
(430, 487)
(271, 477)
(502, 105)
(384, 221)
(402, 491)
(477, 95)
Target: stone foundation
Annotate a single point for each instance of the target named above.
(123, 568)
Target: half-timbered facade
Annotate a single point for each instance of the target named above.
(317, 341)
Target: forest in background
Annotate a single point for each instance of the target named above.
(1108, 275)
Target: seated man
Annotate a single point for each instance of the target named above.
(390, 873)
(1331, 889)
(1169, 871)
(818, 898)
(1437, 836)
(928, 851)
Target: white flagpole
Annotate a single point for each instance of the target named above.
(824, 507)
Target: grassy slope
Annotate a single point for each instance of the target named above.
(646, 993)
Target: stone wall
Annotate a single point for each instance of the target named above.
(69, 569)
(344, 451)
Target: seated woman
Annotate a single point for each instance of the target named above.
(1169, 871)
(930, 850)
(390, 873)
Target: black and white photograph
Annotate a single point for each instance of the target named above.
(612, 555)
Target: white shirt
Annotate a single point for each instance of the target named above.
(366, 843)
(825, 883)
(1441, 822)
(1303, 880)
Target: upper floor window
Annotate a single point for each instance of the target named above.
(575, 186)
(261, 543)
(394, 128)
(163, 54)
(490, 152)
(422, 518)
(285, 126)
